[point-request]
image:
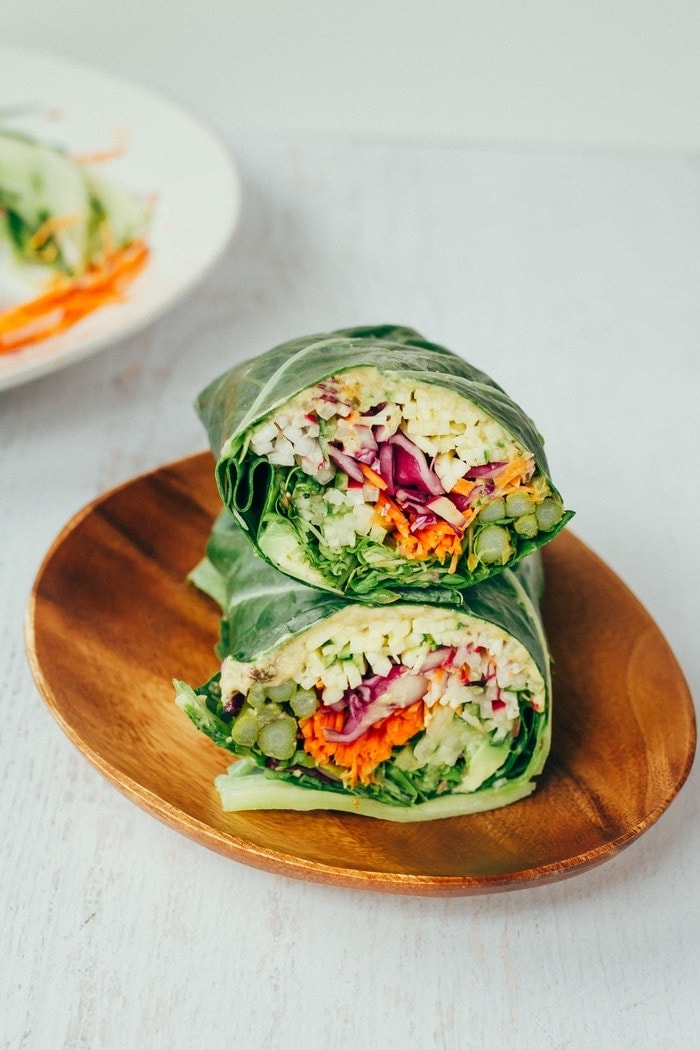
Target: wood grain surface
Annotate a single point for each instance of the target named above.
(112, 621)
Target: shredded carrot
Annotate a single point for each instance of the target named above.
(362, 756)
(513, 473)
(67, 300)
(463, 486)
(48, 228)
(389, 513)
(100, 156)
(371, 475)
(439, 539)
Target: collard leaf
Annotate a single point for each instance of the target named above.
(254, 490)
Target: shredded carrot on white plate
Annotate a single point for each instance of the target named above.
(69, 300)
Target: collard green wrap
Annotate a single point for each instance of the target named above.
(368, 460)
(408, 711)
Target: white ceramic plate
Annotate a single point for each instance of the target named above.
(166, 155)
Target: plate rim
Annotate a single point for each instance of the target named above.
(289, 864)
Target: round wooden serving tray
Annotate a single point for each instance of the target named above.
(111, 622)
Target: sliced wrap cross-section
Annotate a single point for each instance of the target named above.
(408, 711)
(368, 460)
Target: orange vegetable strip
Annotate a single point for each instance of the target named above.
(440, 538)
(371, 475)
(67, 302)
(390, 511)
(463, 486)
(362, 756)
(100, 156)
(47, 229)
(517, 468)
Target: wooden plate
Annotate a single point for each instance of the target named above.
(111, 622)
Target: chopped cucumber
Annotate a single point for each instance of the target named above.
(245, 729)
(268, 712)
(549, 513)
(304, 703)
(256, 696)
(518, 504)
(278, 739)
(492, 545)
(282, 693)
(55, 209)
(526, 526)
(494, 511)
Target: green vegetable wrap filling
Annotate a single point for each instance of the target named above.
(368, 460)
(409, 711)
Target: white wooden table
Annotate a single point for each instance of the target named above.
(573, 279)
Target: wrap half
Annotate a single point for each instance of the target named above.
(368, 460)
(409, 711)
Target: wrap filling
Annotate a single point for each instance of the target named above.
(403, 704)
(374, 471)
